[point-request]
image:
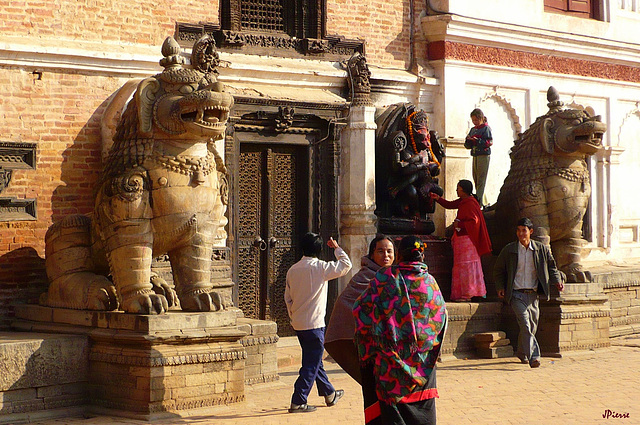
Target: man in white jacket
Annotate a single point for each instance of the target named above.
(306, 299)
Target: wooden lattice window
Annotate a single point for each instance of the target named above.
(580, 8)
(297, 18)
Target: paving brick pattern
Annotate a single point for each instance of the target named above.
(576, 389)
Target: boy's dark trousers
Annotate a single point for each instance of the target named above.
(312, 370)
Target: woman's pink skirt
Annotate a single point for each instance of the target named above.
(467, 279)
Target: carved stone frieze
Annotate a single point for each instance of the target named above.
(119, 358)
(13, 209)
(312, 45)
(16, 156)
(277, 43)
(497, 56)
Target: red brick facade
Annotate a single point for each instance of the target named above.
(60, 112)
(146, 22)
(384, 25)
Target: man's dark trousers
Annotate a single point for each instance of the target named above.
(525, 306)
(312, 370)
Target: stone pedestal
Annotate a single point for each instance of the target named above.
(260, 342)
(146, 366)
(621, 284)
(583, 322)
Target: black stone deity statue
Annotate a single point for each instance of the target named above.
(408, 157)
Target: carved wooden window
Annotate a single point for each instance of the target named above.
(297, 18)
(580, 8)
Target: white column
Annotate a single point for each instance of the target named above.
(453, 170)
(616, 180)
(357, 183)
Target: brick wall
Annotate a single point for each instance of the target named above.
(384, 25)
(60, 112)
(141, 21)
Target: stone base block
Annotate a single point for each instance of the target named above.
(41, 373)
(623, 290)
(260, 343)
(145, 366)
(145, 381)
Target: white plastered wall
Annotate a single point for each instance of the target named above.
(512, 99)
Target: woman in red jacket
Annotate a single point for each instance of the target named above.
(470, 241)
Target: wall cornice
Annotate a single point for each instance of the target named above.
(500, 35)
(240, 70)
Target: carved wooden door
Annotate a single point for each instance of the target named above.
(273, 209)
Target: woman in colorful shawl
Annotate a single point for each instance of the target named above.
(400, 324)
(470, 241)
(338, 340)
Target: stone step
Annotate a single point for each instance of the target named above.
(489, 336)
(489, 344)
(495, 352)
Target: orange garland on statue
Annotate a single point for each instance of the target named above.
(413, 141)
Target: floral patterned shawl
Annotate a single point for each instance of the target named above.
(400, 323)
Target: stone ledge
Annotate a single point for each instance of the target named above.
(258, 327)
(43, 415)
(118, 320)
(160, 361)
(262, 379)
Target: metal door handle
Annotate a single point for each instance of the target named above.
(260, 243)
(272, 242)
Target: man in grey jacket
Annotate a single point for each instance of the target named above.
(524, 270)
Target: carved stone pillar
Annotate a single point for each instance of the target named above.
(357, 201)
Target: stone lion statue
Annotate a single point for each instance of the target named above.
(549, 182)
(163, 190)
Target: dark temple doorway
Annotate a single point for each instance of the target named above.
(284, 178)
(273, 206)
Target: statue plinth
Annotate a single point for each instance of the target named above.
(405, 226)
(148, 366)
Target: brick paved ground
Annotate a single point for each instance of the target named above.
(576, 389)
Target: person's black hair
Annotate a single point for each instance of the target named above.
(411, 249)
(374, 242)
(477, 112)
(466, 186)
(311, 244)
(525, 221)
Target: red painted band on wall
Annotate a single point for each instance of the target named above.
(440, 50)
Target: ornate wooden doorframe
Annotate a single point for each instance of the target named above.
(283, 163)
